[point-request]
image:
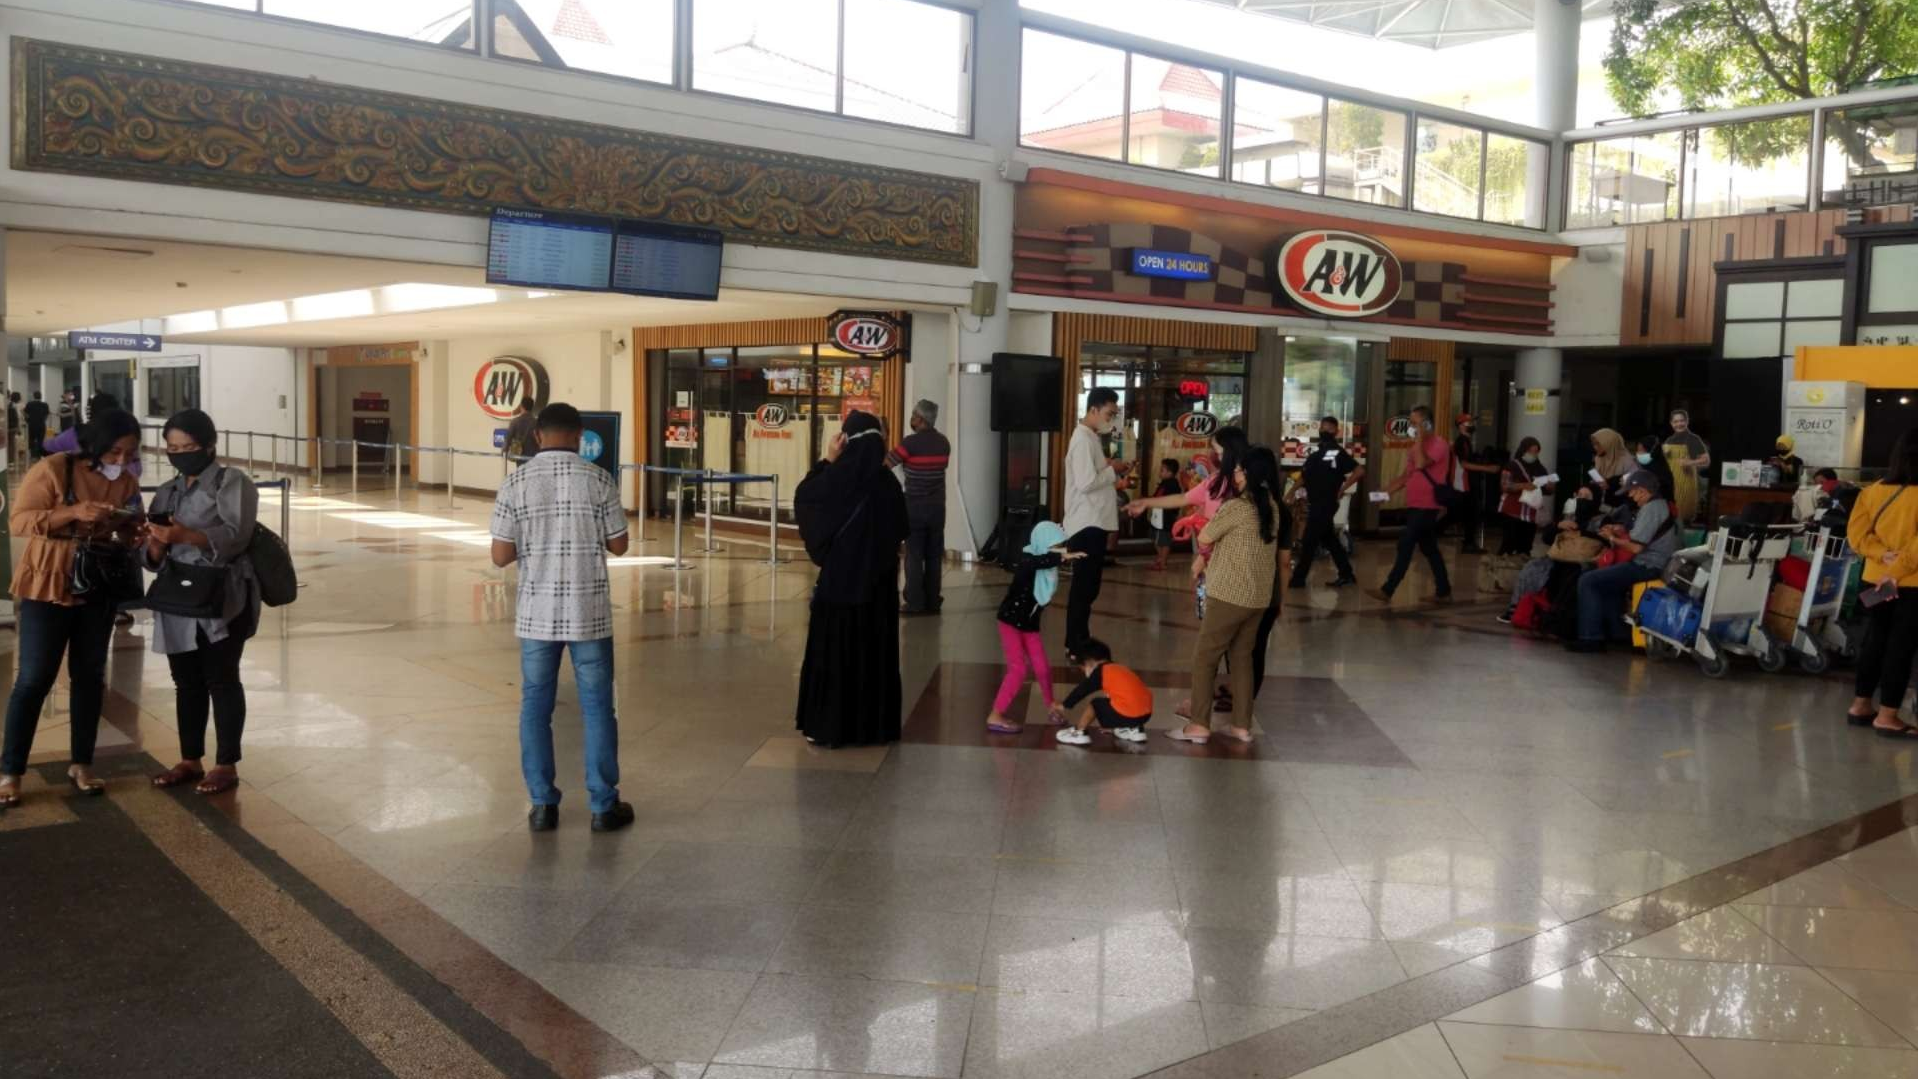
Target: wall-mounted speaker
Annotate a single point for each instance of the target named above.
(985, 299)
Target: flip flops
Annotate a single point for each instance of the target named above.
(1004, 728)
(179, 774)
(1177, 734)
(219, 781)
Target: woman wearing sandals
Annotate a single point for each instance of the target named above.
(68, 501)
(1240, 573)
(204, 516)
(1884, 531)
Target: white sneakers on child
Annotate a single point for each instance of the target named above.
(1073, 736)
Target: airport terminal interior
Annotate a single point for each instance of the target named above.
(365, 238)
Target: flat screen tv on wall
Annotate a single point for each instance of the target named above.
(545, 249)
(1027, 392)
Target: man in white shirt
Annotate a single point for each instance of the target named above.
(1092, 509)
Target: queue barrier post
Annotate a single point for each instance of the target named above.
(772, 527)
(353, 452)
(273, 448)
(252, 463)
(706, 488)
(679, 510)
(399, 451)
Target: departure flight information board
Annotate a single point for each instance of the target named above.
(544, 249)
(667, 260)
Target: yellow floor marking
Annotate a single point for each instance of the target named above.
(1784, 726)
(1676, 753)
(1516, 927)
(1553, 1062)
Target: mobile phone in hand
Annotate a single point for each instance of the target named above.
(162, 519)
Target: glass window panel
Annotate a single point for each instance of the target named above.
(1755, 299)
(441, 22)
(1811, 299)
(1515, 171)
(1746, 340)
(1624, 181)
(1893, 269)
(1071, 96)
(1277, 135)
(786, 53)
(1365, 153)
(629, 38)
(1448, 161)
(170, 389)
(1747, 168)
(1821, 332)
(1870, 152)
(1175, 116)
(928, 85)
(772, 441)
(1321, 379)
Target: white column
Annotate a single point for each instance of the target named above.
(1554, 92)
(1539, 369)
(995, 123)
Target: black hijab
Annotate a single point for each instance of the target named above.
(852, 517)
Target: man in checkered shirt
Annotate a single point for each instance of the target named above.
(558, 517)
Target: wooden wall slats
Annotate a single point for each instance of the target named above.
(778, 331)
(1752, 237)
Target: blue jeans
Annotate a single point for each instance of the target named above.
(539, 677)
(1601, 599)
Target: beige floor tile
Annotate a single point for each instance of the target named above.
(1488, 1052)
(1779, 1060)
(1750, 1000)
(1420, 1053)
(1828, 885)
(792, 751)
(1585, 997)
(1723, 934)
(1891, 995)
(1834, 937)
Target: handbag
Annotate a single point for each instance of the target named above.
(1886, 589)
(188, 591)
(1572, 547)
(101, 572)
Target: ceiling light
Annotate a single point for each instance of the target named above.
(353, 303)
(190, 322)
(418, 296)
(247, 315)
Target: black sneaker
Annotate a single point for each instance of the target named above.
(542, 819)
(613, 819)
(1505, 618)
(1345, 582)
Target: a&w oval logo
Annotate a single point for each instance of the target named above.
(1196, 424)
(1342, 274)
(865, 335)
(771, 417)
(505, 381)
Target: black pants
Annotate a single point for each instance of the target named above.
(1266, 623)
(925, 557)
(1884, 660)
(1088, 575)
(36, 435)
(49, 631)
(1465, 514)
(210, 673)
(1421, 533)
(1110, 717)
(1519, 536)
(1320, 529)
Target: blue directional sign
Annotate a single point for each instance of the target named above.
(1177, 265)
(124, 342)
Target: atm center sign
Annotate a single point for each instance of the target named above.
(1176, 265)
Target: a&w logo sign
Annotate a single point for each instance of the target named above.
(1196, 424)
(1341, 274)
(865, 333)
(503, 382)
(771, 417)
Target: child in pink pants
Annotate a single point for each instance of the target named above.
(1034, 579)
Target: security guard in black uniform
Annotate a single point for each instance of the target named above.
(1330, 473)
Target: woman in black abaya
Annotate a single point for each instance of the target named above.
(852, 515)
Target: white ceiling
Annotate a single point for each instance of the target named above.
(1432, 24)
(58, 282)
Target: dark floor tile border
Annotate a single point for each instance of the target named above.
(1347, 1028)
(468, 989)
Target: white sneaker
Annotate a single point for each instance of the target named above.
(1130, 734)
(1073, 736)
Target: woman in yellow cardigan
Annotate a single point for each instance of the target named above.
(1884, 532)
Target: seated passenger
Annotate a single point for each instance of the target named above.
(1648, 544)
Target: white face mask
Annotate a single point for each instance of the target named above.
(111, 472)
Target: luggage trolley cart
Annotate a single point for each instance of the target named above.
(1720, 611)
(1817, 635)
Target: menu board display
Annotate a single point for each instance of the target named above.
(547, 249)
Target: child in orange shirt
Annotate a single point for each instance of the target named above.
(1115, 696)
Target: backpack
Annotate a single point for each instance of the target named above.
(272, 567)
(1533, 609)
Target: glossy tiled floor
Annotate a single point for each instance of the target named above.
(1430, 797)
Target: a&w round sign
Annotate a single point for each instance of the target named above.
(503, 382)
(865, 333)
(1196, 424)
(1341, 274)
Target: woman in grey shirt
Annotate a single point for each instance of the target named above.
(204, 516)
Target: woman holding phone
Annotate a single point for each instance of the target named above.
(69, 501)
(204, 516)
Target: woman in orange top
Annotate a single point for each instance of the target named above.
(53, 622)
(1884, 531)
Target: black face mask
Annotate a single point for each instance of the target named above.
(1328, 437)
(192, 463)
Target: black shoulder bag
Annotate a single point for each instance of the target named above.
(189, 591)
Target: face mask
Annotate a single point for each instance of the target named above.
(1531, 458)
(1328, 436)
(1828, 486)
(1782, 451)
(1644, 458)
(192, 463)
(111, 472)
